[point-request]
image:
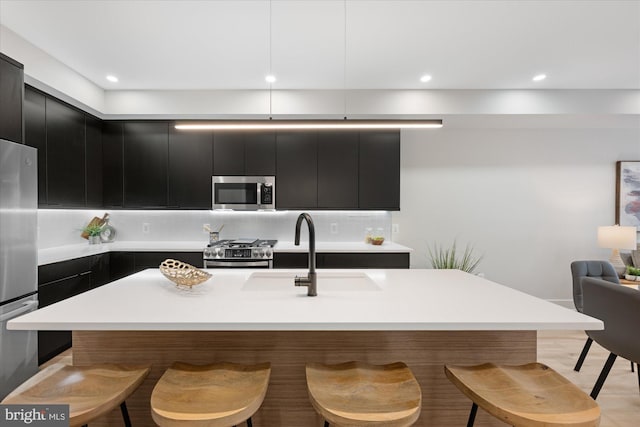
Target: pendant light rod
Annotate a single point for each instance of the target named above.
(310, 124)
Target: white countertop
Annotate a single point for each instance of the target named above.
(63, 253)
(403, 300)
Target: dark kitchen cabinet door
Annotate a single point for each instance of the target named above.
(190, 169)
(35, 135)
(260, 154)
(146, 152)
(93, 165)
(112, 169)
(379, 170)
(65, 155)
(296, 170)
(11, 97)
(338, 170)
(228, 153)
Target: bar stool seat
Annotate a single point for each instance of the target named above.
(216, 395)
(359, 394)
(531, 395)
(90, 391)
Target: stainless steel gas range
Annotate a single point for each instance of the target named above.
(240, 253)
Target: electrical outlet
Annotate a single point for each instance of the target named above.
(146, 228)
(395, 228)
(334, 228)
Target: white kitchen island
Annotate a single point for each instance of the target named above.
(425, 318)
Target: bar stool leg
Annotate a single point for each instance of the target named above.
(583, 354)
(125, 414)
(472, 415)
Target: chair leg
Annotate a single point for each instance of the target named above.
(472, 415)
(603, 375)
(249, 423)
(125, 414)
(326, 424)
(583, 355)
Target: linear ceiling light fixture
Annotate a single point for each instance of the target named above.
(303, 124)
(310, 124)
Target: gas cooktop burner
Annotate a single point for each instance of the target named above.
(243, 243)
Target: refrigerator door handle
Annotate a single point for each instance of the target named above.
(27, 306)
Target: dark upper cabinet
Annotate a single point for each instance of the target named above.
(296, 170)
(35, 135)
(338, 170)
(112, 148)
(228, 153)
(93, 164)
(244, 153)
(65, 155)
(379, 170)
(146, 152)
(11, 99)
(260, 154)
(190, 169)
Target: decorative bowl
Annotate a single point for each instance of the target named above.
(183, 274)
(377, 241)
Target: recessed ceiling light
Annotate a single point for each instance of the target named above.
(425, 78)
(270, 78)
(112, 78)
(539, 77)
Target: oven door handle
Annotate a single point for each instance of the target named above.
(216, 263)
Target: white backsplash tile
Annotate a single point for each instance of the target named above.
(59, 227)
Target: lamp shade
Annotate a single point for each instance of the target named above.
(616, 237)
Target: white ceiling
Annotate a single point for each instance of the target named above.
(389, 44)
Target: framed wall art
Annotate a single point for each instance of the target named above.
(628, 193)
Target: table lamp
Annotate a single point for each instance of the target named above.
(616, 238)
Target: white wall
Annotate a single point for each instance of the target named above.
(529, 200)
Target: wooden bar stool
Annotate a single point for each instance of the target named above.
(358, 394)
(531, 395)
(216, 395)
(90, 391)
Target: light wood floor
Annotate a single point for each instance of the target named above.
(619, 399)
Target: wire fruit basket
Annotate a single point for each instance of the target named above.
(183, 274)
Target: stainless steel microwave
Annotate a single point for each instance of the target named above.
(245, 193)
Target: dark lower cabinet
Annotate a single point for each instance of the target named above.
(144, 260)
(11, 99)
(342, 260)
(62, 280)
(146, 164)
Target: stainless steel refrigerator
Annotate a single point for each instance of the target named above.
(18, 261)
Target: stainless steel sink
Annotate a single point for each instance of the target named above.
(327, 282)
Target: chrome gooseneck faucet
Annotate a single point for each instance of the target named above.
(310, 280)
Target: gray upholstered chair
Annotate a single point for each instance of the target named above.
(619, 308)
(579, 270)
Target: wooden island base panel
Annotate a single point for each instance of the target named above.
(286, 403)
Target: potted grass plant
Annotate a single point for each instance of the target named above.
(93, 230)
(450, 258)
